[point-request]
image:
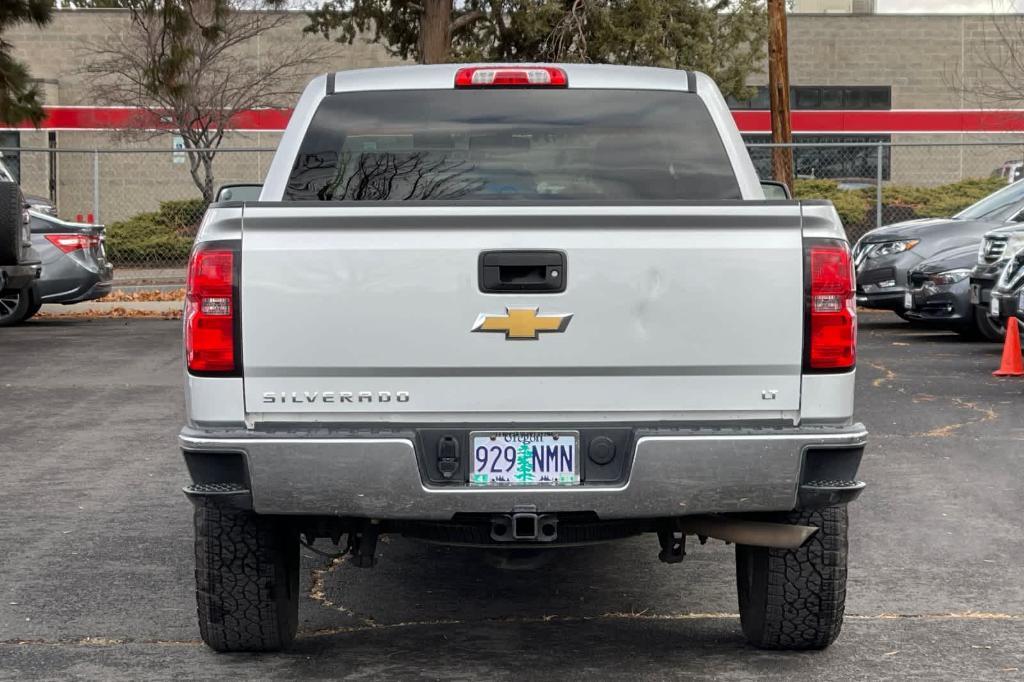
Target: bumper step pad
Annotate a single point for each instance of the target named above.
(233, 495)
(818, 494)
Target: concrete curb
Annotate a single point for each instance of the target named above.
(113, 309)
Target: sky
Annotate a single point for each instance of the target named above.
(948, 6)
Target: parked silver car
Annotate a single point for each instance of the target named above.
(75, 266)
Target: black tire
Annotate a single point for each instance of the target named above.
(991, 329)
(969, 331)
(794, 599)
(14, 306)
(33, 308)
(247, 580)
(11, 223)
(913, 322)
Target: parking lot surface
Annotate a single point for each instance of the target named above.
(96, 543)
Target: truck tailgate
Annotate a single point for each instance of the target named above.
(365, 313)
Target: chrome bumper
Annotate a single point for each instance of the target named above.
(674, 474)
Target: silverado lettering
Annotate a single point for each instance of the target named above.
(328, 397)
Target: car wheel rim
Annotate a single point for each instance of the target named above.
(8, 304)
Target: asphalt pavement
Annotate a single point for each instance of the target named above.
(96, 544)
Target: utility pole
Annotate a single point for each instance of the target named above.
(778, 89)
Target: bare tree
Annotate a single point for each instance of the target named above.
(992, 74)
(195, 71)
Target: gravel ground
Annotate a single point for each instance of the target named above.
(96, 563)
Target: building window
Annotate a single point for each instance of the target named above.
(867, 98)
(806, 98)
(809, 97)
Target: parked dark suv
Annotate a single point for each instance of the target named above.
(19, 264)
(997, 248)
(1007, 296)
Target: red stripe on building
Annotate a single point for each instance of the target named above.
(895, 121)
(115, 118)
(839, 122)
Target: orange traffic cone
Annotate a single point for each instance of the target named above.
(1011, 365)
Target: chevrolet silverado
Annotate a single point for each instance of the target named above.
(519, 307)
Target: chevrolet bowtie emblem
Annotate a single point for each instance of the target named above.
(522, 323)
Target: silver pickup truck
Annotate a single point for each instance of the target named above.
(519, 307)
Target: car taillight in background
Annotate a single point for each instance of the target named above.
(511, 76)
(210, 309)
(831, 342)
(73, 242)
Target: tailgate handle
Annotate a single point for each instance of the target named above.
(518, 271)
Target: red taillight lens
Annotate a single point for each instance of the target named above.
(511, 76)
(73, 242)
(832, 311)
(210, 311)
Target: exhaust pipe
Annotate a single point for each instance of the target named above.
(746, 532)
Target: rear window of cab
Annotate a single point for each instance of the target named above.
(500, 144)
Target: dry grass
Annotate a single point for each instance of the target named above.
(120, 296)
(118, 312)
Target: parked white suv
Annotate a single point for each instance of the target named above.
(519, 306)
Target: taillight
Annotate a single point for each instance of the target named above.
(210, 310)
(831, 343)
(511, 76)
(73, 242)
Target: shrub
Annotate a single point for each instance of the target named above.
(852, 206)
(157, 238)
(183, 214)
(899, 202)
(942, 201)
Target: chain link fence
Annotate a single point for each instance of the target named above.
(879, 183)
(147, 198)
(151, 207)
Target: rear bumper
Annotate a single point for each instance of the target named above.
(673, 473)
(86, 293)
(18, 276)
(69, 282)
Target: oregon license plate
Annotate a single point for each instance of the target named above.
(908, 301)
(525, 458)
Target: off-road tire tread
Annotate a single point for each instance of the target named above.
(246, 580)
(806, 587)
